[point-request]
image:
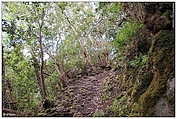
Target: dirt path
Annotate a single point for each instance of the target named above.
(87, 95)
(81, 97)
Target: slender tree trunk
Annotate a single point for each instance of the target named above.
(37, 73)
(60, 69)
(3, 68)
(42, 64)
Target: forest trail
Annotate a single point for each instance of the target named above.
(81, 97)
(88, 59)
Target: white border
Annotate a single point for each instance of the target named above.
(1, 62)
(85, 1)
(92, 0)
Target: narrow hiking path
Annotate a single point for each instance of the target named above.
(87, 95)
(82, 97)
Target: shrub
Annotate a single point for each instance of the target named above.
(139, 61)
(123, 34)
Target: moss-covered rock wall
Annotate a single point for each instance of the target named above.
(145, 86)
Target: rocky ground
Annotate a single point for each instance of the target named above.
(82, 96)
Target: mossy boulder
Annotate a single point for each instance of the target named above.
(162, 64)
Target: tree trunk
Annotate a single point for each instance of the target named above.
(44, 94)
(3, 68)
(37, 73)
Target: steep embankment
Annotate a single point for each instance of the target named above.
(149, 72)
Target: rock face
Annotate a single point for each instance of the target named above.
(148, 86)
(166, 104)
(161, 63)
(161, 67)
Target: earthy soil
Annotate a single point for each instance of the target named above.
(82, 96)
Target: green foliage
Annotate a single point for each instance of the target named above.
(106, 96)
(62, 5)
(110, 7)
(119, 107)
(115, 8)
(21, 74)
(127, 31)
(52, 82)
(139, 61)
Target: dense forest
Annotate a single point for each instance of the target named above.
(88, 59)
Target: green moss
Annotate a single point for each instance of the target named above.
(138, 61)
(105, 96)
(167, 13)
(159, 52)
(140, 87)
(170, 99)
(153, 93)
(119, 107)
(98, 113)
(145, 84)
